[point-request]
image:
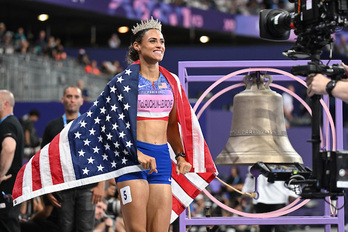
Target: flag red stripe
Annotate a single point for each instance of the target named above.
(35, 172)
(18, 191)
(177, 206)
(209, 163)
(207, 176)
(185, 184)
(54, 160)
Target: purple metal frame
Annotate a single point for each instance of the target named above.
(326, 219)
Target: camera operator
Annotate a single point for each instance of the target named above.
(319, 84)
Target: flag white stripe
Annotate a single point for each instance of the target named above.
(196, 180)
(173, 217)
(45, 168)
(180, 194)
(198, 149)
(27, 175)
(152, 114)
(65, 155)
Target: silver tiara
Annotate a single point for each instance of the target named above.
(148, 24)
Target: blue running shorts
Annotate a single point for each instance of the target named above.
(163, 162)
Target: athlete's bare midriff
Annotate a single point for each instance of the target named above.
(152, 131)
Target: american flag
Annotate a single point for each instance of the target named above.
(101, 144)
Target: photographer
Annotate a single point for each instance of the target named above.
(113, 205)
(47, 219)
(103, 223)
(319, 84)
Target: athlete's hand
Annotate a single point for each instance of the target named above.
(182, 166)
(147, 162)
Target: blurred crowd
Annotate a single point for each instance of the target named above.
(48, 46)
(244, 7)
(18, 42)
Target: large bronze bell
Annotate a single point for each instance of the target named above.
(258, 132)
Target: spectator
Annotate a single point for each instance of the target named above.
(58, 52)
(118, 66)
(11, 153)
(83, 58)
(85, 94)
(198, 209)
(51, 44)
(92, 68)
(236, 181)
(253, 7)
(2, 32)
(7, 47)
(108, 68)
(41, 43)
(21, 43)
(180, 2)
(111, 67)
(114, 41)
(341, 46)
(32, 140)
(198, 206)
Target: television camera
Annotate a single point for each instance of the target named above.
(313, 22)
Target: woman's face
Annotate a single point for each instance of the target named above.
(152, 46)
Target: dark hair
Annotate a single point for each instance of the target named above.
(34, 112)
(132, 53)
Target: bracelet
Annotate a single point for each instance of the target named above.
(182, 154)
